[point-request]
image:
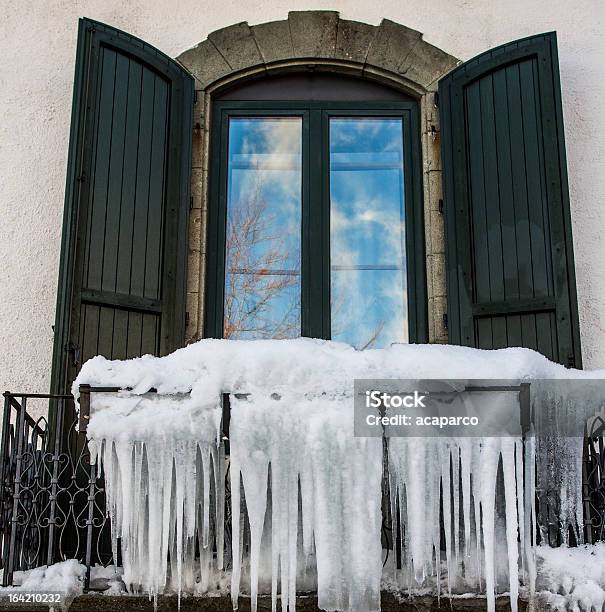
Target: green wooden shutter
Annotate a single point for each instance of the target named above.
(123, 257)
(510, 269)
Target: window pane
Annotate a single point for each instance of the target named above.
(367, 232)
(262, 265)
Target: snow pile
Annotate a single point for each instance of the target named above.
(66, 578)
(572, 578)
(107, 579)
(306, 494)
(210, 366)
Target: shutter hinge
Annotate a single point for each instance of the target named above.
(74, 351)
(195, 96)
(190, 202)
(441, 206)
(81, 177)
(187, 318)
(445, 320)
(436, 99)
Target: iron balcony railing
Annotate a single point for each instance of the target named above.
(52, 500)
(52, 504)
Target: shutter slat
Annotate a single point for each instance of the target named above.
(129, 178)
(100, 180)
(519, 208)
(141, 208)
(120, 334)
(510, 273)
(157, 204)
(504, 187)
(115, 174)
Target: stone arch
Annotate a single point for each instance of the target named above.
(389, 53)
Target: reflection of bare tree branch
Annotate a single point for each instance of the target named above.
(262, 272)
(341, 320)
(262, 280)
(375, 334)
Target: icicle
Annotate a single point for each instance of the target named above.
(487, 496)
(319, 468)
(510, 492)
(218, 462)
(447, 514)
(465, 468)
(456, 497)
(236, 560)
(255, 484)
(153, 490)
(530, 513)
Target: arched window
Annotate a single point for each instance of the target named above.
(315, 220)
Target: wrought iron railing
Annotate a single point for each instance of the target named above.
(52, 500)
(593, 480)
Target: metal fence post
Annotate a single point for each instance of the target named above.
(525, 407)
(84, 408)
(54, 483)
(4, 490)
(4, 452)
(586, 459)
(92, 481)
(13, 550)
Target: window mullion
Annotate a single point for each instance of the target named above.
(324, 180)
(313, 276)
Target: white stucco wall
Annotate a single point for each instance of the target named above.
(37, 47)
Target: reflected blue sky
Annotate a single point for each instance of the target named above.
(367, 232)
(367, 229)
(262, 271)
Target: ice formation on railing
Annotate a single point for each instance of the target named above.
(466, 471)
(163, 461)
(324, 511)
(306, 493)
(560, 412)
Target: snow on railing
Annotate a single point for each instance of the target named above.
(310, 489)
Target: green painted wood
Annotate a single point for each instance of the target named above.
(124, 249)
(125, 301)
(510, 269)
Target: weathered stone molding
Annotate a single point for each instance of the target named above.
(390, 53)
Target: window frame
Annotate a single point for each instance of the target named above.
(315, 202)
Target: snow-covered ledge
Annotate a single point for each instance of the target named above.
(317, 526)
